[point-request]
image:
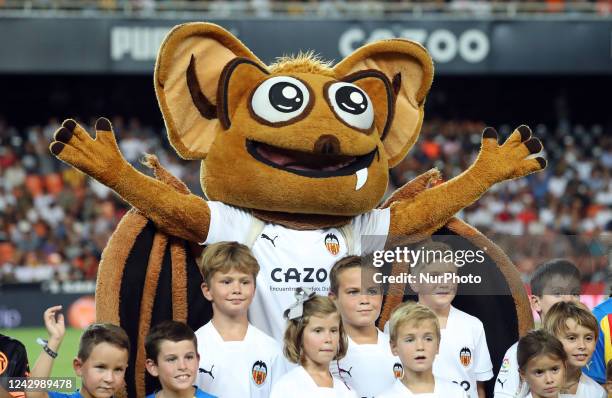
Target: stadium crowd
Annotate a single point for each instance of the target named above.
(54, 222)
(560, 212)
(327, 8)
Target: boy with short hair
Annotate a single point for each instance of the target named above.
(464, 355)
(241, 361)
(552, 282)
(173, 358)
(415, 338)
(369, 366)
(100, 363)
(577, 329)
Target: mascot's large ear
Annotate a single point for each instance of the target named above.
(189, 67)
(409, 68)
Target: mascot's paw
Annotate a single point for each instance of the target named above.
(99, 157)
(511, 159)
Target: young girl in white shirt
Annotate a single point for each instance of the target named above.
(314, 337)
(542, 364)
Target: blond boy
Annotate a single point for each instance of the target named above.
(237, 360)
(415, 339)
(464, 355)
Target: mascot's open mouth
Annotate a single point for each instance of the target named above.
(311, 164)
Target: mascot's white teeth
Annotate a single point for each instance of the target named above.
(362, 177)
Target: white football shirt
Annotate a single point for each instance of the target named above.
(238, 369)
(587, 388)
(368, 368)
(289, 258)
(464, 355)
(508, 383)
(297, 383)
(442, 389)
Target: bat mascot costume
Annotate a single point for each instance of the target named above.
(295, 160)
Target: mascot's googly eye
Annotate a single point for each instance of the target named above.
(351, 104)
(280, 99)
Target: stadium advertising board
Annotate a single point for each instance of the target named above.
(19, 309)
(125, 46)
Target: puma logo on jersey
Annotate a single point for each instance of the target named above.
(348, 372)
(264, 236)
(501, 382)
(208, 372)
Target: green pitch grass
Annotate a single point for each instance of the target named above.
(62, 366)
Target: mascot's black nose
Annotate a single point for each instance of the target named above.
(327, 145)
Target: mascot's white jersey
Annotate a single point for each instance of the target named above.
(442, 389)
(238, 369)
(289, 258)
(297, 383)
(368, 368)
(464, 355)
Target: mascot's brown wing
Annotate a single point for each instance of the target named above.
(502, 304)
(141, 268)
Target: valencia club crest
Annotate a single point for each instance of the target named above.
(332, 244)
(465, 356)
(398, 370)
(259, 372)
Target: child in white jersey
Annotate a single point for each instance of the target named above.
(238, 360)
(542, 360)
(415, 338)
(554, 281)
(369, 366)
(314, 337)
(577, 329)
(464, 355)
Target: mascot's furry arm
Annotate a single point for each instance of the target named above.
(179, 214)
(424, 214)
